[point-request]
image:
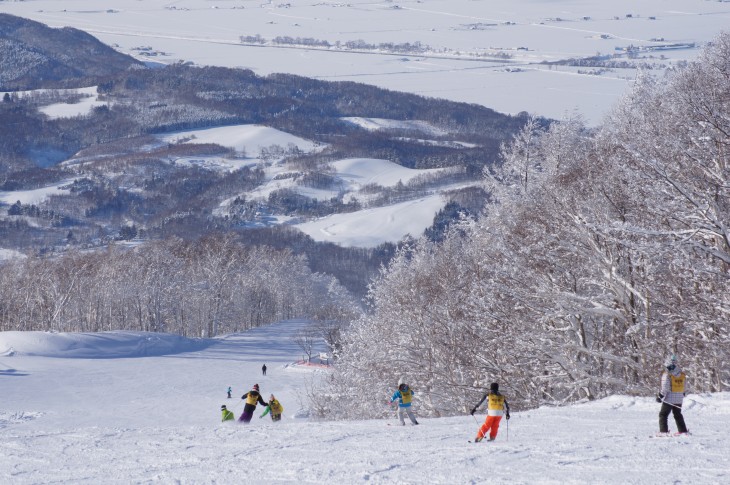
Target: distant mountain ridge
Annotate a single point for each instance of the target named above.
(115, 152)
(33, 56)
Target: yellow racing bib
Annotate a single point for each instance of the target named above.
(677, 382)
(252, 398)
(496, 402)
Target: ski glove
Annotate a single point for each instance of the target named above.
(660, 397)
(507, 416)
(473, 411)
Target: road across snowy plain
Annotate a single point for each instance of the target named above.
(149, 413)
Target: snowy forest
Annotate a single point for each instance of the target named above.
(601, 252)
(195, 289)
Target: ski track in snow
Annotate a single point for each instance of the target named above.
(156, 419)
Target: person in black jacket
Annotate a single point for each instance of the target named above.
(496, 408)
(252, 398)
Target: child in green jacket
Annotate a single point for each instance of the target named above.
(226, 414)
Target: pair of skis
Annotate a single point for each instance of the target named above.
(657, 435)
(669, 435)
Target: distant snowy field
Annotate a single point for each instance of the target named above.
(371, 227)
(34, 196)
(243, 138)
(461, 41)
(131, 407)
(10, 254)
(88, 102)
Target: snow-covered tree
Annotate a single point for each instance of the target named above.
(600, 254)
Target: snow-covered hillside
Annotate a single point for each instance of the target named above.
(33, 196)
(10, 254)
(370, 227)
(88, 101)
(249, 139)
(141, 408)
(492, 52)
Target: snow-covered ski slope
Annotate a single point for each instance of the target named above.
(128, 407)
(496, 53)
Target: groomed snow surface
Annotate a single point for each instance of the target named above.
(132, 407)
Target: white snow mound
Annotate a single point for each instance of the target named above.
(103, 345)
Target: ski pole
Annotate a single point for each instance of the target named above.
(700, 402)
(508, 429)
(238, 403)
(475, 420)
(673, 405)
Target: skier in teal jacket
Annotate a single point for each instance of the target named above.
(404, 395)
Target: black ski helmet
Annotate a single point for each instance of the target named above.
(494, 387)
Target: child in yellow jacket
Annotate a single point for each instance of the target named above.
(275, 408)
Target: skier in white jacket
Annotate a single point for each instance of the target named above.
(673, 389)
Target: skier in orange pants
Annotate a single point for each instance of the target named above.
(497, 407)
